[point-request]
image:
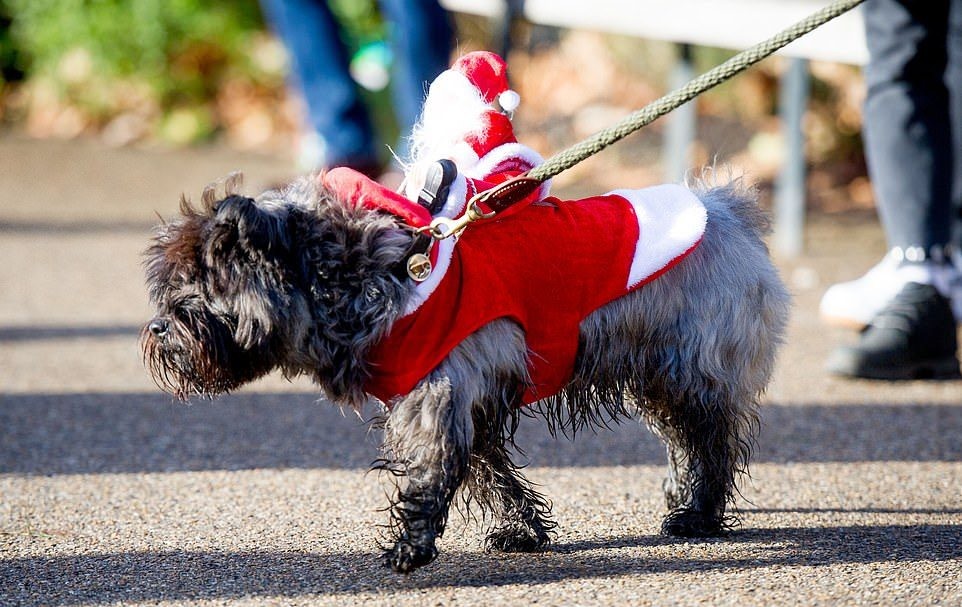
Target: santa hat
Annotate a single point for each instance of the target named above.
(464, 116)
(488, 73)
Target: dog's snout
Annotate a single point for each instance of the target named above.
(158, 327)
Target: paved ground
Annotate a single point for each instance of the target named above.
(111, 494)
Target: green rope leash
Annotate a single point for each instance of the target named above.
(513, 190)
(573, 155)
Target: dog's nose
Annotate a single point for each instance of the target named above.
(158, 327)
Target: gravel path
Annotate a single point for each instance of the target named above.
(112, 494)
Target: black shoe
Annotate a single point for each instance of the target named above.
(913, 337)
(437, 182)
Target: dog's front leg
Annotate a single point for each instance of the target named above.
(428, 440)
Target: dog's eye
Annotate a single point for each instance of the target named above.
(181, 314)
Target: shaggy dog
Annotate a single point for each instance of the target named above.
(303, 282)
(310, 280)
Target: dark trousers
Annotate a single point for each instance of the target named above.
(913, 119)
(420, 37)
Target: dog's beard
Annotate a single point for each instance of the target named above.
(198, 362)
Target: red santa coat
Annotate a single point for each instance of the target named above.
(545, 267)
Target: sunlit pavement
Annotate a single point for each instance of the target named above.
(112, 494)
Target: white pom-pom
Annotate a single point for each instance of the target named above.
(509, 100)
(453, 108)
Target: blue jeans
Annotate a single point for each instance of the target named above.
(420, 37)
(913, 119)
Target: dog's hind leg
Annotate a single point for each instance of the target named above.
(675, 486)
(713, 327)
(695, 349)
(703, 436)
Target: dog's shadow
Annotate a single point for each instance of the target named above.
(91, 433)
(183, 575)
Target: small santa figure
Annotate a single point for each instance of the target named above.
(467, 119)
(463, 144)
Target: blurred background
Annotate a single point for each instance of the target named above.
(177, 73)
(111, 493)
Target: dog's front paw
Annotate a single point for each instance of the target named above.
(407, 556)
(517, 538)
(685, 522)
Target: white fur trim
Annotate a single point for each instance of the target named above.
(453, 109)
(487, 164)
(463, 155)
(457, 198)
(453, 207)
(453, 87)
(671, 220)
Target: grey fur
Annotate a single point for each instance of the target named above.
(300, 281)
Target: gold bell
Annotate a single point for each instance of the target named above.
(419, 267)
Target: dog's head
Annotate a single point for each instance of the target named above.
(217, 278)
(298, 280)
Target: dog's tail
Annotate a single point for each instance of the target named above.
(721, 190)
(734, 248)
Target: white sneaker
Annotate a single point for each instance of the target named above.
(853, 304)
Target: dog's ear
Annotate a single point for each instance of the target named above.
(243, 242)
(242, 221)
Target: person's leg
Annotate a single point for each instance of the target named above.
(319, 65)
(908, 145)
(953, 80)
(907, 134)
(421, 37)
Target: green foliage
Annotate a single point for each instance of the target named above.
(9, 69)
(166, 60)
(171, 44)
(360, 21)
(106, 56)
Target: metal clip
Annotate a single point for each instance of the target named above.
(445, 227)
